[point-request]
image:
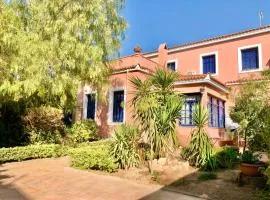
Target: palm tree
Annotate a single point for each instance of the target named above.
(157, 106)
(200, 148)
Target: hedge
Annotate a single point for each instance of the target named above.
(90, 155)
(95, 156)
(31, 152)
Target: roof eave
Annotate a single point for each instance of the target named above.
(203, 81)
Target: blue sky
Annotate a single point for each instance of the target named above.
(152, 22)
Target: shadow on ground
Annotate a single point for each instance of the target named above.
(223, 187)
(7, 189)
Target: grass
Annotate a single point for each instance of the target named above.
(207, 176)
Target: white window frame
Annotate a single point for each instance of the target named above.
(240, 70)
(209, 54)
(110, 111)
(85, 104)
(173, 61)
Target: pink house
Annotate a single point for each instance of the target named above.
(209, 72)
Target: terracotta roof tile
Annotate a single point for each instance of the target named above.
(134, 60)
(213, 38)
(199, 77)
(192, 77)
(245, 80)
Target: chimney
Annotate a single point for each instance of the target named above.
(137, 50)
(162, 54)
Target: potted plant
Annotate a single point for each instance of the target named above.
(251, 165)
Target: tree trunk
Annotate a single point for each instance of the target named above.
(245, 141)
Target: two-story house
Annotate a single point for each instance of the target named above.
(209, 71)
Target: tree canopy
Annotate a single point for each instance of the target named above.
(251, 110)
(48, 48)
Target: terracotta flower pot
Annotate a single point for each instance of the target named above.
(225, 142)
(251, 169)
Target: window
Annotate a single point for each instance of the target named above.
(249, 58)
(90, 106)
(216, 113)
(172, 65)
(118, 107)
(209, 64)
(187, 110)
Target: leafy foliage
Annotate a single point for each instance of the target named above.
(47, 119)
(125, 146)
(227, 157)
(200, 150)
(251, 111)
(84, 131)
(48, 48)
(157, 106)
(249, 157)
(96, 156)
(31, 152)
(45, 125)
(267, 173)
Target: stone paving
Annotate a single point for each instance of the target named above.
(53, 179)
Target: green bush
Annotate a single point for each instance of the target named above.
(31, 152)
(227, 157)
(249, 157)
(94, 156)
(45, 125)
(84, 131)
(267, 173)
(125, 146)
(43, 137)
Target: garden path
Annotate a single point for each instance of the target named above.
(53, 179)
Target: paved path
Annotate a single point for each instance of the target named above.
(53, 179)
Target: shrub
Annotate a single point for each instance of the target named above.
(31, 152)
(45, 125)
(267, 173)
(248, 157)
(227, 157)
(125, 146)
(94, 156)
(42, 137)
(84, 131)
(199, 152)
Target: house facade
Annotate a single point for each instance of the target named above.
(210, 71)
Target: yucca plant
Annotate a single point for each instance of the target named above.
(200, 149)
(124, 147)
(157, 106)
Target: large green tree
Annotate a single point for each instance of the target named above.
(49, 47)
(251, 111)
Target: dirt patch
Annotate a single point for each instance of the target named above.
(179, 177)
(222, 188)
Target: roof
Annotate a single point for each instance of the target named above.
(226, 37)
(245, 80)
(201, 78)
(129, 62)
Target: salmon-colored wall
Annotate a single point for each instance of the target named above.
(117, 81)
(189, 60)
